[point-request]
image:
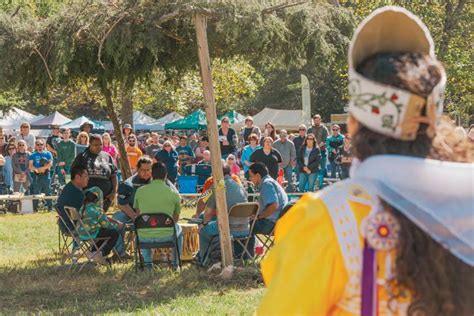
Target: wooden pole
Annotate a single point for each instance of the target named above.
(210, 107)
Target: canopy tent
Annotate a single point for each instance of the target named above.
(195, 120)
(12, 119)
(141, 120)
(75, 125)
(53, 119)
(160, 123)
(281, 119)
(234, 117)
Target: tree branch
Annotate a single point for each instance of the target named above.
(44, 62)
(105, 37)
(281, 6)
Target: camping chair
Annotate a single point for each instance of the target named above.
(248, 210)
(156, 225)
(65, 238)
(268, 240)
(83, 244)
(188, 184)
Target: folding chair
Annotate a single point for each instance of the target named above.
(187, 184)
(153, 226)
(83, 243)
(248, 210)
(268, 240)
(65, 239)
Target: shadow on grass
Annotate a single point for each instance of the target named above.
(44, 286)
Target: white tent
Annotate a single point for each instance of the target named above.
(11, 120)
(281, 119)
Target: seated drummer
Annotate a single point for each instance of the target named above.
(126, 194)
(235, 193)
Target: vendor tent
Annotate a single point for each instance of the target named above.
(55, 118)
(12, 119)
(281, 119)
(141, 120)
(234, 117)
(160, 123)
(75, 125)
(195, 120)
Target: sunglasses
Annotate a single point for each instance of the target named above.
(302, 130)
(310, 139)
(24, 127)
(230, 158)
(11, 148)
(39, 144)
(225, 121)
(166, 145)
(335, 129)
(21, 145)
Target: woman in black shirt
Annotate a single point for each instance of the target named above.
(268, 156)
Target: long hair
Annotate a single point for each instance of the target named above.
(439, 282)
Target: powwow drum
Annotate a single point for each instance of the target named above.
(190, 241)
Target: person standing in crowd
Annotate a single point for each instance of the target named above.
(169, 157)
(101, 169)
(40, 164)
(21, 176)
(3, 145)
(309, 159)
(269, 131)
(346, 156)
(272, 200)
(154, 146)
(97, 224)
(334, 144)
(232, 163)
(286, 148)
(321, 133)
(82, 142)
(108, 147)
(27, 136)
(269, 156)
(239, 227)
(159, 197)
(248, 151)
(298, 141)
(127, 131)
(383, 242)
(227, 138)
(133, 152)
(86, 127)
(52, 142)
(8, 166)
(203, 146)
(66, 152)
(247, 130)
(185, 153)
(193, 141)
(72, 195)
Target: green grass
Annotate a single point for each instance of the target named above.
(33, 281)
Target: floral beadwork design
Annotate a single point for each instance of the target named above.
(374, 102)
(381, 230)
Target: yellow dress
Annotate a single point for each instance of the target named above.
(315, 266)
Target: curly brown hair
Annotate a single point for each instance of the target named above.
(439, 282)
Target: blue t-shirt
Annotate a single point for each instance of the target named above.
(40, 158)
(272, 192)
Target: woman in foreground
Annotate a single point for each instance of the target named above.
(396, 238)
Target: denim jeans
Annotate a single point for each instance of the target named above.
(210, 231)
(41, 183)
(288, 174)
(334, 167)
(322, 171)
(308, 181)
(148, 255)
(262, 226)
(345, 171)
(121, 217)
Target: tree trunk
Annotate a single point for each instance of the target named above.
(124, 165)
(210, 107)
(127, 109)
(450, 23)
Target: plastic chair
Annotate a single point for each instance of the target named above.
(155, 225)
